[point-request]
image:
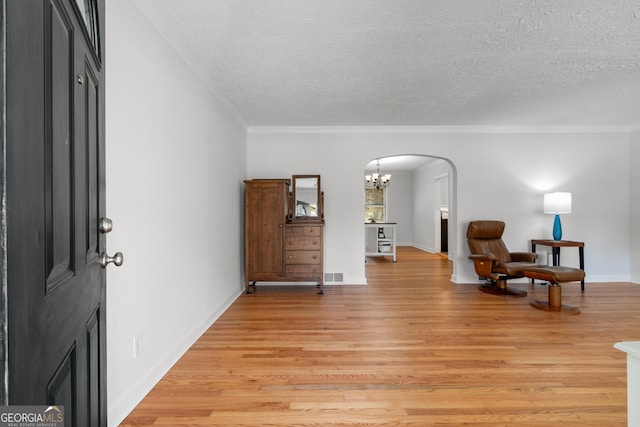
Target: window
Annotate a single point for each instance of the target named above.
(374, 207)
(89, 15)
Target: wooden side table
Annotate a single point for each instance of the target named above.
(555, 250)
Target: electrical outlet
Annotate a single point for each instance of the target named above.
(137, 346)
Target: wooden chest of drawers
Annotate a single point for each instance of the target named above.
(303, 252)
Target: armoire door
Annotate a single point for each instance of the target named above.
(265, 216)
(55, 195)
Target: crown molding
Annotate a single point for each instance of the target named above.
(437, 129)
(149, 11)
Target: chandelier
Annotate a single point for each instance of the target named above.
(377, 180)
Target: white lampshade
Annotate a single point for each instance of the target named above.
(557, 203)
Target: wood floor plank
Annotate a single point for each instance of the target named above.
(409, 349)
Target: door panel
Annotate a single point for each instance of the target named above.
(59, 154)
(55, 199)
(94, 339)
(61, 388)
(91, 120)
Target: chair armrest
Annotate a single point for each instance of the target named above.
(483, 257)
(483, 263)
(523, 256)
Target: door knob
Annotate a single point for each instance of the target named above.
(106, 225)
(117, 259)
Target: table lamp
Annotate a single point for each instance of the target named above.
(557, 203)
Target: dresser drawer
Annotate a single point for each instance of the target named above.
(302, 257)
(303, 270)
(307, 230)
(303, 243)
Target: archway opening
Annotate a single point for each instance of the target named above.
(420, 199)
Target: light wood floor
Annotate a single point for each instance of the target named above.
(410, 349)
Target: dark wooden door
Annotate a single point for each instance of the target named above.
(55, 200)
(444, 234)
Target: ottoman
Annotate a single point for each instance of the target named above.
(555, 275)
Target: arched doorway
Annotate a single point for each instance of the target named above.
(421, 188)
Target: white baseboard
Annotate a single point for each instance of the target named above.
(424, 248)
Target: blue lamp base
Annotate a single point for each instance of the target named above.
(557, 228)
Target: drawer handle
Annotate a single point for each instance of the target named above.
(315, 242)
(290, 256)
(315, 256)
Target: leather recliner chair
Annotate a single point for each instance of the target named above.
(493, 261)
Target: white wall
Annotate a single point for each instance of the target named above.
(400, 206)
(427, 215)
(495, 174)
(634, 197)
(175, 164)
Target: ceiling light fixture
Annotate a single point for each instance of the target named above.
(377, 180)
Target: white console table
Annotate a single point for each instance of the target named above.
(377, 245)
(632, 348)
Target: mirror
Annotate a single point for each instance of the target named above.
(307, 202)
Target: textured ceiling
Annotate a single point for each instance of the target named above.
(413, 62)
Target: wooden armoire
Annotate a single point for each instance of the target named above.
(284, 224)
